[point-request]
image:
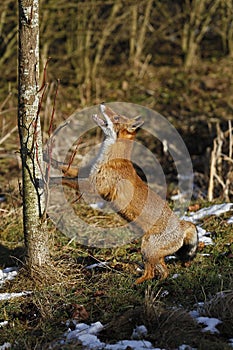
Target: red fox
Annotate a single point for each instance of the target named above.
(116, 180)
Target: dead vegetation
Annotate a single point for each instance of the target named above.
(221, 307)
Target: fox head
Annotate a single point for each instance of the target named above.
(116, 126)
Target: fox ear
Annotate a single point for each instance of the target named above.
(106, 109)
(136, 123)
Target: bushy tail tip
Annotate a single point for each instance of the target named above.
(190, 244)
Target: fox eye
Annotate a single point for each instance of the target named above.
(116, 118)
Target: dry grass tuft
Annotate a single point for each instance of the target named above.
(153, 307)
(174, 327)
(170, 326)
(221, 307)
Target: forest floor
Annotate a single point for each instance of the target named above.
(90, 285)
(85, 286)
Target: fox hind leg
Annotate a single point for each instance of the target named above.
(162, 268)
(151, 268)
(148, 273)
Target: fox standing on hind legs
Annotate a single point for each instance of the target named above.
(115, 179)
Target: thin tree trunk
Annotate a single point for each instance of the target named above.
(142, 33)
(108, 28)
(200, 14)
(133, 34)
(35, 232)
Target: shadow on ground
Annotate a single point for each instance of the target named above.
(9, 257)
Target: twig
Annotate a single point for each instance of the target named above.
(67, 122)
(44, 75)
(5, 101)
(219, 170)
(230, 139)
(37, 116)
(53, 110)
(144, 66)
(212, 172)
(8, 110)
(35, 143)
(5, 137)
(50, 149)
(226, 158)
(220, 181)
(73, 155)
(215, 158)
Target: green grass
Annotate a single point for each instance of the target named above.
(110, 296)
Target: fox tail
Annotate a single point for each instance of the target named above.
(190, 243)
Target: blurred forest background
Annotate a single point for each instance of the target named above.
(172, 56)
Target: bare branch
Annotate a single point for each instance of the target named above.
(5, 137)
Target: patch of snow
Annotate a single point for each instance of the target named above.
(178, 196)
(230, 220)
(210, 323)
(164, 293)
(200, 308)
(98, 205)
(90, 341)
(139, 332)
(231, 342)
(7, 296)
(139, 269)
(216, 209)
(170, 258)
(87, 336)
(100, 264)
(186, 347)
(131, 344)
(83, 328)
(200, 304)
(5, 346)
(204, 254)
(7, 274)
(195, 217)
(203, 236)
(3, 323)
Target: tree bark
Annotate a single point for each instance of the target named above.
(35, 231)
